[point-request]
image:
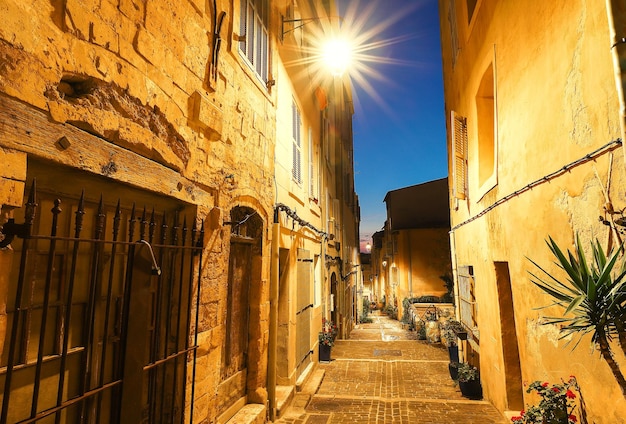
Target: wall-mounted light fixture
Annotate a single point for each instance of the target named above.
(302, 22)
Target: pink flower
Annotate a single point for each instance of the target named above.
(570, 394)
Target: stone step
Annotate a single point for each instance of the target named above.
(312, 383)
(251, 413)
(284, 396)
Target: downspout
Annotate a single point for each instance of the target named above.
(455, 279)
(273, 336)
(616, 11)
(410, 266)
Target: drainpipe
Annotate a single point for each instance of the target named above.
(410, 266)
(455, 279)
(273, 336)
(616, 11)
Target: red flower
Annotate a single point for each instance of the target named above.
(572, 418)
(556, 389)
(570, 394)
(546, 384)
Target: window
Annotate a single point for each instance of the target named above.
(459, 156)
(471, 7)
(312, 163)
(326, 136)
(486, 128)
(454, 36)
(254, 44)
(296, 123)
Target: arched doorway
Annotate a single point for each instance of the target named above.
(244, 275)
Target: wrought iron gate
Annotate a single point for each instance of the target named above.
(102, 329)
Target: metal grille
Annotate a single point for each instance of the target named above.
(100, 329)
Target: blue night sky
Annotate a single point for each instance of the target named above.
(399, 121)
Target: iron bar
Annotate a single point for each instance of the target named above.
(200, 243)
(107, 308)
(180, 300)
(78, 225)
(170, 281)
(29, 217)
(56, 210)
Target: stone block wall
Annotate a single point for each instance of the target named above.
(121, 89)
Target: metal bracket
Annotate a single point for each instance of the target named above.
(9, 230)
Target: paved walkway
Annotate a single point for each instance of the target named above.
(383, 375)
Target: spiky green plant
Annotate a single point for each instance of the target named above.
(593, 297)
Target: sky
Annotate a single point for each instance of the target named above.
(399, 120)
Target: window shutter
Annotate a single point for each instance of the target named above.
(312, 191)
(297, 159)
(459, 155)
(243, 24)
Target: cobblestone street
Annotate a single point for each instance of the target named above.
(382, 374)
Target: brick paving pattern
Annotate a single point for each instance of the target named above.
(384, 375)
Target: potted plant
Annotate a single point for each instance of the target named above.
(469, 381)
(432, 326)
(449, 338)
(421, 330)
(326, 339)
(556, 403)
(453, 368)
(591, 293)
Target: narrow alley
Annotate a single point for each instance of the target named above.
(383, 375)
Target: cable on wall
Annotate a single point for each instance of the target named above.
(590, 156)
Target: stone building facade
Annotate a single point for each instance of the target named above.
(534, 100)
(149, 295)
(413, 250)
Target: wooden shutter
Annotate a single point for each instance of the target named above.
(459, 155)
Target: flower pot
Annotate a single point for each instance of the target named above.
(471, 389)
(461, 334)
(432, 331)
(324, 353)
(453, 367)
(453, 352)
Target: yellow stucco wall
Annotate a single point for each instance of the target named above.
(423, 257)
(555, 102)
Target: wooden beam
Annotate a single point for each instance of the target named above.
(30, 130)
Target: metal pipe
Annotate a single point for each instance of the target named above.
(616, 11)
(273, 336)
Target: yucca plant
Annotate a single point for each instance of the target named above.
(593, 297)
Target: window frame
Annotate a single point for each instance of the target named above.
(254, 36)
